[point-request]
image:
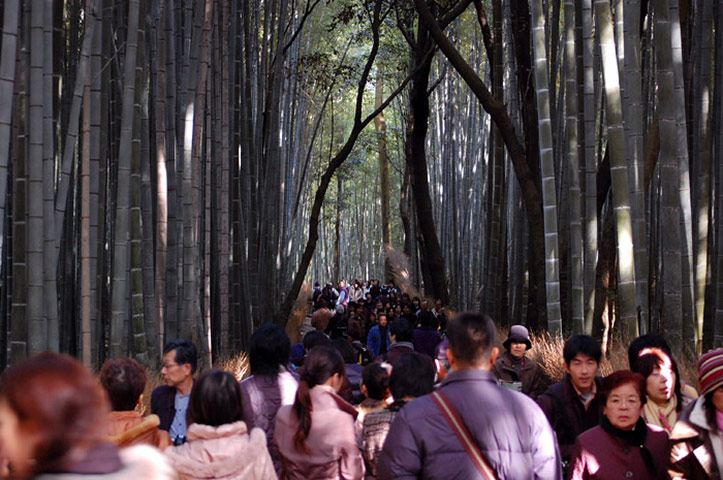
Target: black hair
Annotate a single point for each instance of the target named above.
(269, 349)
(402, 329)
(185, 353)
(345, 349)
(412, 376)
(376, 379)
(649, 340)
(646, 364)
(428, 320)
(471, 337)
(584, 344)
(215, 399)
(322, 362)
(315, 338)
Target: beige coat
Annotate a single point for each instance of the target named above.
(227, 452)
(333, 452)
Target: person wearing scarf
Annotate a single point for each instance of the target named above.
(696, 441)
(623, 445)
(663, 391)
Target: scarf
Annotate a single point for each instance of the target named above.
(661, 415)
(635, 438)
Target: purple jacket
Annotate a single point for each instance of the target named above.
(262, 397)
(509, 428)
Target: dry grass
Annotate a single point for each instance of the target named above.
(238, 365)
(547, 352)
(301, 309)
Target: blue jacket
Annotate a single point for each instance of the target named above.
(509, 428)
(374, 340)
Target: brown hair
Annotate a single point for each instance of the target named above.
(124, 380)
(623, 377)
(58, 401)
(215, 399)
(322, 362)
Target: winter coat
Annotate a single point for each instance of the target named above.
(129, 428)
(107, 462)
(693, 452)
(531, 375)
(510, 430)
(332, 450)
(567, 414)
(262, 396)
(374, 340)
(425, 341)
(163, 405)
(225, 452)
(599, 455)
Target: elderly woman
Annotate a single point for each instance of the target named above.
(696, 440)
(53, 420)
(665, 399)
(623, 445)
(514, 370)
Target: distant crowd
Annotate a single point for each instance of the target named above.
(383, 386)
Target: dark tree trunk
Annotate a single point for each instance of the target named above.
(432, 259)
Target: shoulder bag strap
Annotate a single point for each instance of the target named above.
(460, 429)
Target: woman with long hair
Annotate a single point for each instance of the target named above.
(219, 444)
(315, 436)
(53, 425)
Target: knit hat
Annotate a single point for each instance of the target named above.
(519, 334)
(710, 371)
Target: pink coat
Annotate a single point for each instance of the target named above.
(333, 452)
(227, 452)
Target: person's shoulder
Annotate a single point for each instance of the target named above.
(161, 391)
(144, 461)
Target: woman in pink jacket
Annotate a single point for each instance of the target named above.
(219, 444)
(315, 435)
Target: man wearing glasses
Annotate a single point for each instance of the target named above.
(170, 401)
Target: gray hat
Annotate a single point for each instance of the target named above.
(519, 334)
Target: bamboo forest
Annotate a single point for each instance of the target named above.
(190, 168)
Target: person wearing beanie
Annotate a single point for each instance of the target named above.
(696, 441)
(514, 370)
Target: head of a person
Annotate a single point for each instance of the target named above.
(375, 381)
(518, 341)
(123, 379)
(428, 320)
(368, 297)
(471, 341)
(412, 376)
(51, 409)
(382, 320)
(215, 399)
(401, 330)
(342, 284)
(379, 306)
(438, 305)
(315, 338)
(405, 298)
(582, 356)
(323, 366)
(710, 379)
(345, 349)
(406, 309)
(415, 303)
(643, 345)
(269, 350)
(657, 369)
(355, 284)
(179, 362)
(425, 304)
(623, 394)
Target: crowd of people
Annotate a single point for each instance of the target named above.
(385, 388)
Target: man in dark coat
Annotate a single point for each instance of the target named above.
(170, 401)
(508, 428)
(574, 404)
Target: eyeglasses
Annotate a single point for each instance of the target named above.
(168, 366)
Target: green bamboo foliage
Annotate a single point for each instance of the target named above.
(627, 305)
(547, 166)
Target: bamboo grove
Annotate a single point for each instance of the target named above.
(181, 168)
